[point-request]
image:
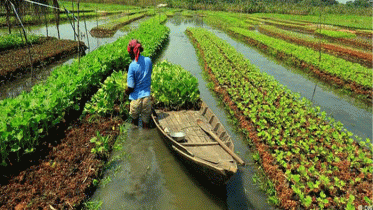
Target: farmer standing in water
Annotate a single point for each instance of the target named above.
(138, 84)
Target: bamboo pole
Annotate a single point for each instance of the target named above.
(72, 9)
(8, 11)
(78, 33)
(46, 20)
(25, 35)
(57, 13)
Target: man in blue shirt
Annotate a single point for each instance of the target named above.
(138, 84)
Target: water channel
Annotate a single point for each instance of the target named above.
(152, 178)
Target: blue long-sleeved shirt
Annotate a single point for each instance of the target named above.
(139, 77)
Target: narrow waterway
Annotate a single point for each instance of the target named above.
(24, 82)
(149, 176)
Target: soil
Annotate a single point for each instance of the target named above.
(45, 52)
(63, 179)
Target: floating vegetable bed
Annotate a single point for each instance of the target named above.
(46, 51)
(336, 71)
(311, 160)
(26, 119)
(11, 41)
(109, 29)
(349, 54)
(174, 88)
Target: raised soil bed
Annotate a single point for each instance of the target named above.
(101, 32)
(363, 58)
(45, 52)
(366, 92)
(63, 179)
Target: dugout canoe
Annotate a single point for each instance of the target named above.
(199, 150)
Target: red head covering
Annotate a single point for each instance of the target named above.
(135, 48)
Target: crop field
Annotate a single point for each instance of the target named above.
(302, 150)
(347, 53)
(49, 104)
(353, 21)
(16, 40)
(64, 130)
(32, 114)
(305, 53)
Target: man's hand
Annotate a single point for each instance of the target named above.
(129, 90)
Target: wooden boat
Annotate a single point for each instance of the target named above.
(199, 149)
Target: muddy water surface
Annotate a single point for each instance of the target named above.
(149, 176)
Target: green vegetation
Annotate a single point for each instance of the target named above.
(173, 87)
(17, 40)
(294, 7)
(99, 6)
(226, 20)
(345, 20)
(348, 71)
(305, 37)
(187, 13)
(347, 53)
(302, 150)
(90, 10)
(306, 28)
(110, 93)
(24, 120)
(34, 19)
(335, 34)
(117, 23)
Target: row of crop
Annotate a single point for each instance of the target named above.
(356, 56)
(24, 120)
(32, 19)
(350, 73)
(47, 51)
(302, 23)
(313, 161)
(17, 40)
(227, 20)
(302, 28)
(331, 33)
(364, 44)
(115, 24)
(350, 21)
(310, 28)
(335, 34)
(173, 88)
